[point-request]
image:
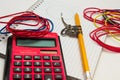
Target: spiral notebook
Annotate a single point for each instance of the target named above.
(13, 6)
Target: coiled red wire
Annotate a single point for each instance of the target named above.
(19, 18)
(99, 32)
(103, 30)
(88, 14)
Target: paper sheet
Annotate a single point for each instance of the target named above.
(52, 10)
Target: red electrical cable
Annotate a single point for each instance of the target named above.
(111, 17)
(88, 14)
(102, 31)
(20, 18)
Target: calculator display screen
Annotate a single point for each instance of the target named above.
(36, 42)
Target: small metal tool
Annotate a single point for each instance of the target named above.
(69, 30)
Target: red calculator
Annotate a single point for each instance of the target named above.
(38, 58)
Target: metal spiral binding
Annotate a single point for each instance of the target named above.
(35, 5)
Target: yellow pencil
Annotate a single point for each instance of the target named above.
(82, 49)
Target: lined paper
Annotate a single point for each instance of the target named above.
(52, 10)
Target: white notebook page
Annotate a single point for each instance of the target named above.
(52, 9)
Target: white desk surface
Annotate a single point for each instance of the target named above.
(108, 67)
(109, 64)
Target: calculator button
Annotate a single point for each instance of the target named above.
(38, 77)
(37, 57)
(56, 64)
(48, 77)
(47, 64)
(17, 70)
(57, 70)
(37, 70)
(17, 77)
(27, 57)
(18, 57)
(55, 58)
(27, 77)
(37, 64)
(28, 70)
(47, 70)
(46, 57)
(58, 77)
(17, 63)
(27, 63)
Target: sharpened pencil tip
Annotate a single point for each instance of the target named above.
(77, 20)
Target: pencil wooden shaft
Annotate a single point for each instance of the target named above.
(81, 45)
(83, 52)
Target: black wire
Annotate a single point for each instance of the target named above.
(109, 20)
(2, 56)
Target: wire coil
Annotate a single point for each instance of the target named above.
(110, 25)
(42, 24)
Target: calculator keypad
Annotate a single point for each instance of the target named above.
(37, 67)
(17, 77)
